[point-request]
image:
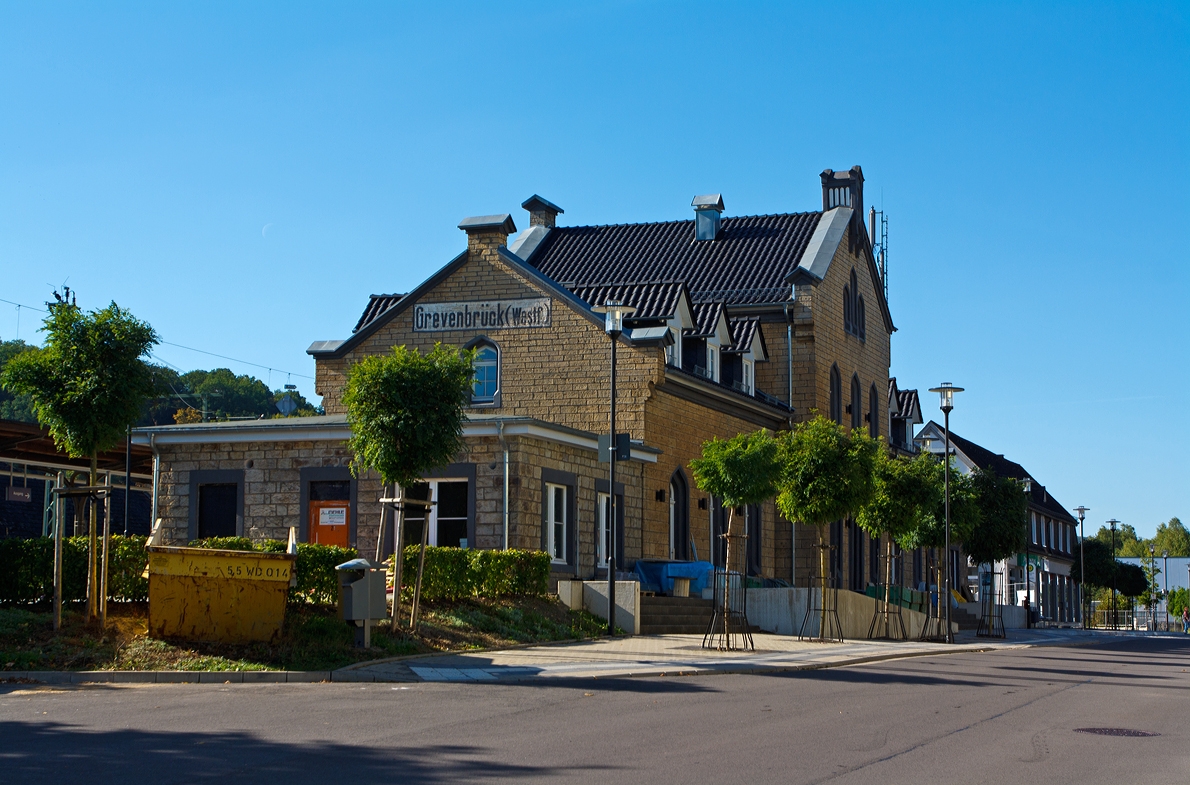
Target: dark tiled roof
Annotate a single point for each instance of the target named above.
(908, 403)
(1039, 497)
(747, 263)
(377, 305)
(651, 300)
(706, 316)
(743, 331)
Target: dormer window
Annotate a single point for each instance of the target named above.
(747, 380)
(673, 352)
(712, 363)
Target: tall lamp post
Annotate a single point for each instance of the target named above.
(1082, 564)
(1115, 613)
(614, 312)
(1152, 587)
(1028, 564)
(1165, 599)
(946, 394)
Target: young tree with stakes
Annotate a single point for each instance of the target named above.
(904, 490)
(738, 471)
(826, 475)
(1000, 531)
(87, 384)
(406, 411)
(930, 531)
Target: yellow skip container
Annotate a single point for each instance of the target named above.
(217, 596)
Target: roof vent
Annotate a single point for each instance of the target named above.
(708, 214)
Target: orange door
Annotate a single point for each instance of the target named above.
(329, 522)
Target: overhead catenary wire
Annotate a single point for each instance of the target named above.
(268, 368)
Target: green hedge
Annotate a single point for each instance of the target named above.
(317, 583)
(27, 569)
(455, 573)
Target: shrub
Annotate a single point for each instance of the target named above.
(455, 573)
(314, 568)
(27, 569)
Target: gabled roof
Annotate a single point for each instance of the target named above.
(745, 331)
(706, 319)
(377, 305)
(984, 458)
(747, 263)
(652, 301)
(903, 404)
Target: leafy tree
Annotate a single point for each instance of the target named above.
(1003, 511)
(14, 406)
(1172, 537)
(738, 471)
(827, 474)
(1127, 543)
(87, 384)
(1097, 555)
(904, 490)
(224, 394)
(1152, 593)
(1178, 599)
(1131, 580)
(406, 411)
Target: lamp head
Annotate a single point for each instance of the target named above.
(1112, 523)
(1164, 554)
(946, 394)
(1082, 512)
(614, 312)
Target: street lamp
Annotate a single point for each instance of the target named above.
(1115, 613)
(1165, 599)
(614, 312)
(1152, 599)
(946, 395)
(1028, 564)
(1082, 563)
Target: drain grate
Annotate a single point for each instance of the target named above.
(1116, 732)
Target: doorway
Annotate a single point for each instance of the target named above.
(329, 511)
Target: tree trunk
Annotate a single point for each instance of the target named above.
(92, 561)
(398, 555)
(823, 579)
(887, 582)
(727, 569)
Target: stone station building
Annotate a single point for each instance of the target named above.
(741, 323)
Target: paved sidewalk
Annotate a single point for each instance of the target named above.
(677, 655)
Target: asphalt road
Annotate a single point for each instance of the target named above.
(997, 717)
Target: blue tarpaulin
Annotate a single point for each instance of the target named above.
(658, 575)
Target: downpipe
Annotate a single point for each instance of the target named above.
(504, 447)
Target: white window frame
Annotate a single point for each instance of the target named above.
(432, 516)
(487, 400)
(749, 376)
(673, 352)
(712, 362)
(554, 517)
(603, 509)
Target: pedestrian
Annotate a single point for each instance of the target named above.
(1185, 620)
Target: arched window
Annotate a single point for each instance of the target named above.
(857, 403)
(847, 308)
(860, 320)
(679, 517)
(873, 412)
(836, 395)
(485, 387)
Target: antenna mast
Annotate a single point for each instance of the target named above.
(878, 234)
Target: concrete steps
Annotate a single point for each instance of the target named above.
(676, 616)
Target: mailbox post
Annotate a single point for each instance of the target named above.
(362, 600)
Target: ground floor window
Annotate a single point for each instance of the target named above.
(217, 509)
(557, 521)
(446, 518)
(604, 531)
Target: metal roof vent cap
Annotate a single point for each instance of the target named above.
(708, 215)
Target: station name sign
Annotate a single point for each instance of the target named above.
(487, 315)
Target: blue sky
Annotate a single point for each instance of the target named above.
(243, 177)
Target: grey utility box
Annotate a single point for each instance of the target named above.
(362, 597)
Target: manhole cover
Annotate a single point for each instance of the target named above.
(1116, 732)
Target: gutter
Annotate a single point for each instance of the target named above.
(504, 446)
(156, 479)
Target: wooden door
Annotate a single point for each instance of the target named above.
(329, 522)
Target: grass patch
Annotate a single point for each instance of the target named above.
(313, 638)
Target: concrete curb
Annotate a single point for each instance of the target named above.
(511, 647)
(165, 677)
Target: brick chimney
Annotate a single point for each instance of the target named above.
(843, 189)
(541, 211)
(486, 233)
